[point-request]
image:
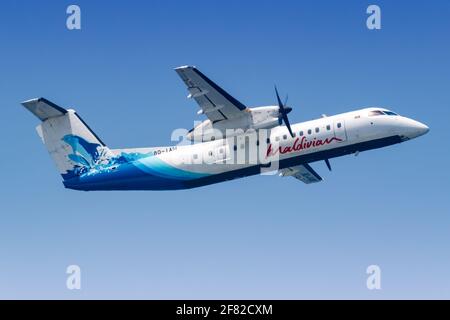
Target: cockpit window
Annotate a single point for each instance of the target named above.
(375, 113)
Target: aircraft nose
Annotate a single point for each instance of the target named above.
(422, 128)
(416, 129)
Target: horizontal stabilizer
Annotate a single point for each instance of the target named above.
(44, 109)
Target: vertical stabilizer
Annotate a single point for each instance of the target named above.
(74, 147)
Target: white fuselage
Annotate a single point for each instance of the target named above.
(346, 129)
(257, 151)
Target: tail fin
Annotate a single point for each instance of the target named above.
(74, 147)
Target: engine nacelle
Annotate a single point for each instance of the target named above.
(257, 118)
(207, 130)
(265, 117)
(267, 123)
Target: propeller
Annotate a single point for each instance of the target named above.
(283, 113)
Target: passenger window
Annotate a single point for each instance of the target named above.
(210, 153)
(317, 130)
(339, 125)
(328, 127)
(285, 137)
(213, 138)
(309, 131)
(301, 133)
(268, 140)
(195, 156)
(221, 150)
(277, 138)
(235, 147)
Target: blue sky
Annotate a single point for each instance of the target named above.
(260, 237)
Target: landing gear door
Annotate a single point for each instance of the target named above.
(339, 129)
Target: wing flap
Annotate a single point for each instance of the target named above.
(303, 173)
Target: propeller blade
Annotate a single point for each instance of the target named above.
(280, 104)
(288, 125)
(286, 99)
(328, 164)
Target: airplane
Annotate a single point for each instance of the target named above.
(217, 143)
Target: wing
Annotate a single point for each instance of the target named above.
(303, 173)
(214, 102)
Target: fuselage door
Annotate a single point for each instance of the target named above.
(339, 129)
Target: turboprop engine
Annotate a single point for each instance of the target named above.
(256, 118)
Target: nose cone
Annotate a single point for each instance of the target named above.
(421, 128)
(415, 129)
